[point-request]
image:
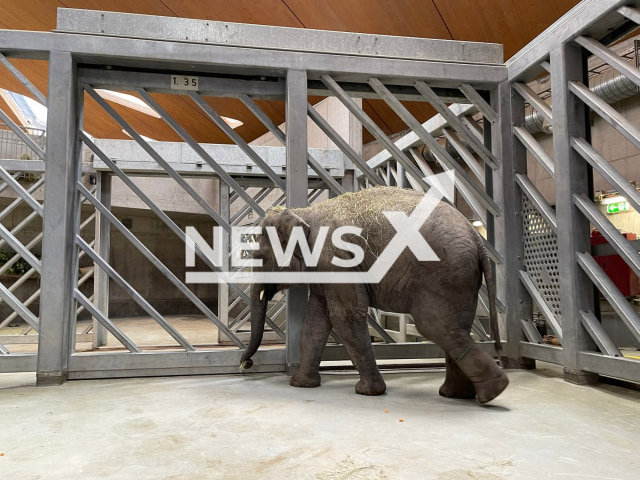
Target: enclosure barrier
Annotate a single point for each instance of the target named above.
(554, 263)
(541, 256)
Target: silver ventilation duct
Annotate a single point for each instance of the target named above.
(534, 122)
(611, 86)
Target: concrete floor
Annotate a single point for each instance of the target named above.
(256, 426)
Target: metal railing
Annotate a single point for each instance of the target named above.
(13, 147)
(558, 276)
(541, 255)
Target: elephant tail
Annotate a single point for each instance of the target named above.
(490, 280)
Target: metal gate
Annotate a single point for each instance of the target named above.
(555, 264)
(542, 257)
(427, 71)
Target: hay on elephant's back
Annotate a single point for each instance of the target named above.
(366, 206)
(361, 209)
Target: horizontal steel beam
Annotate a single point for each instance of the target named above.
(406, 93)
(274, 37)
(18, 362)
(265, 88)
(624, 368)
(193, 58)
(131, 158)
(390, 351)
(544, 353)
(146, 364)
(35, 166)
(128, 81)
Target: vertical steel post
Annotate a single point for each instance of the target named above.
(509, 227)
(223, 288)
(103, 247)
(572, 177)
(60, 226)
(402, 177)
(349, 181)
(297, 191)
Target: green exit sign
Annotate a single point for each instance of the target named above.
(618, 207)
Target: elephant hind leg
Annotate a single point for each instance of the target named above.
(315, 332)
(456, 383)
(451, 331)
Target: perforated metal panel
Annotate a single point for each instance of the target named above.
(541, 255)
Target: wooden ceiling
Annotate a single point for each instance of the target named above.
(511, 22)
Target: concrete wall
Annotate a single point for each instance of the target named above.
(127, 261)
(166, 193)
(144, 276)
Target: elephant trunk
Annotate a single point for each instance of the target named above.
(259, 302)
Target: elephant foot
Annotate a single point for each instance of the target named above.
(308, 380)
(371, 387)
(490, 389)
(452, 390)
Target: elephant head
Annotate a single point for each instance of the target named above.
(277, 226)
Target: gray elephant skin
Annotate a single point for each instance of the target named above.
(440, 295)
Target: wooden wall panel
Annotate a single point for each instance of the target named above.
(410, 18)
(514, 23)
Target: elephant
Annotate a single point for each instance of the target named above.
(441, 295)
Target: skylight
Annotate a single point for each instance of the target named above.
(30, 112)
(128, 101)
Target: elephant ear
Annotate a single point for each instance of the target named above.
(284, 225)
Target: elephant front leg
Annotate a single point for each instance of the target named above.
(354, 334)
(348, 306)
(315, 332)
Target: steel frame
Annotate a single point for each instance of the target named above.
(587, 351)
(494, 182)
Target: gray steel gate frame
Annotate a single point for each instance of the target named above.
(497, 190)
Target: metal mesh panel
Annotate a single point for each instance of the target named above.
(541, 255)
